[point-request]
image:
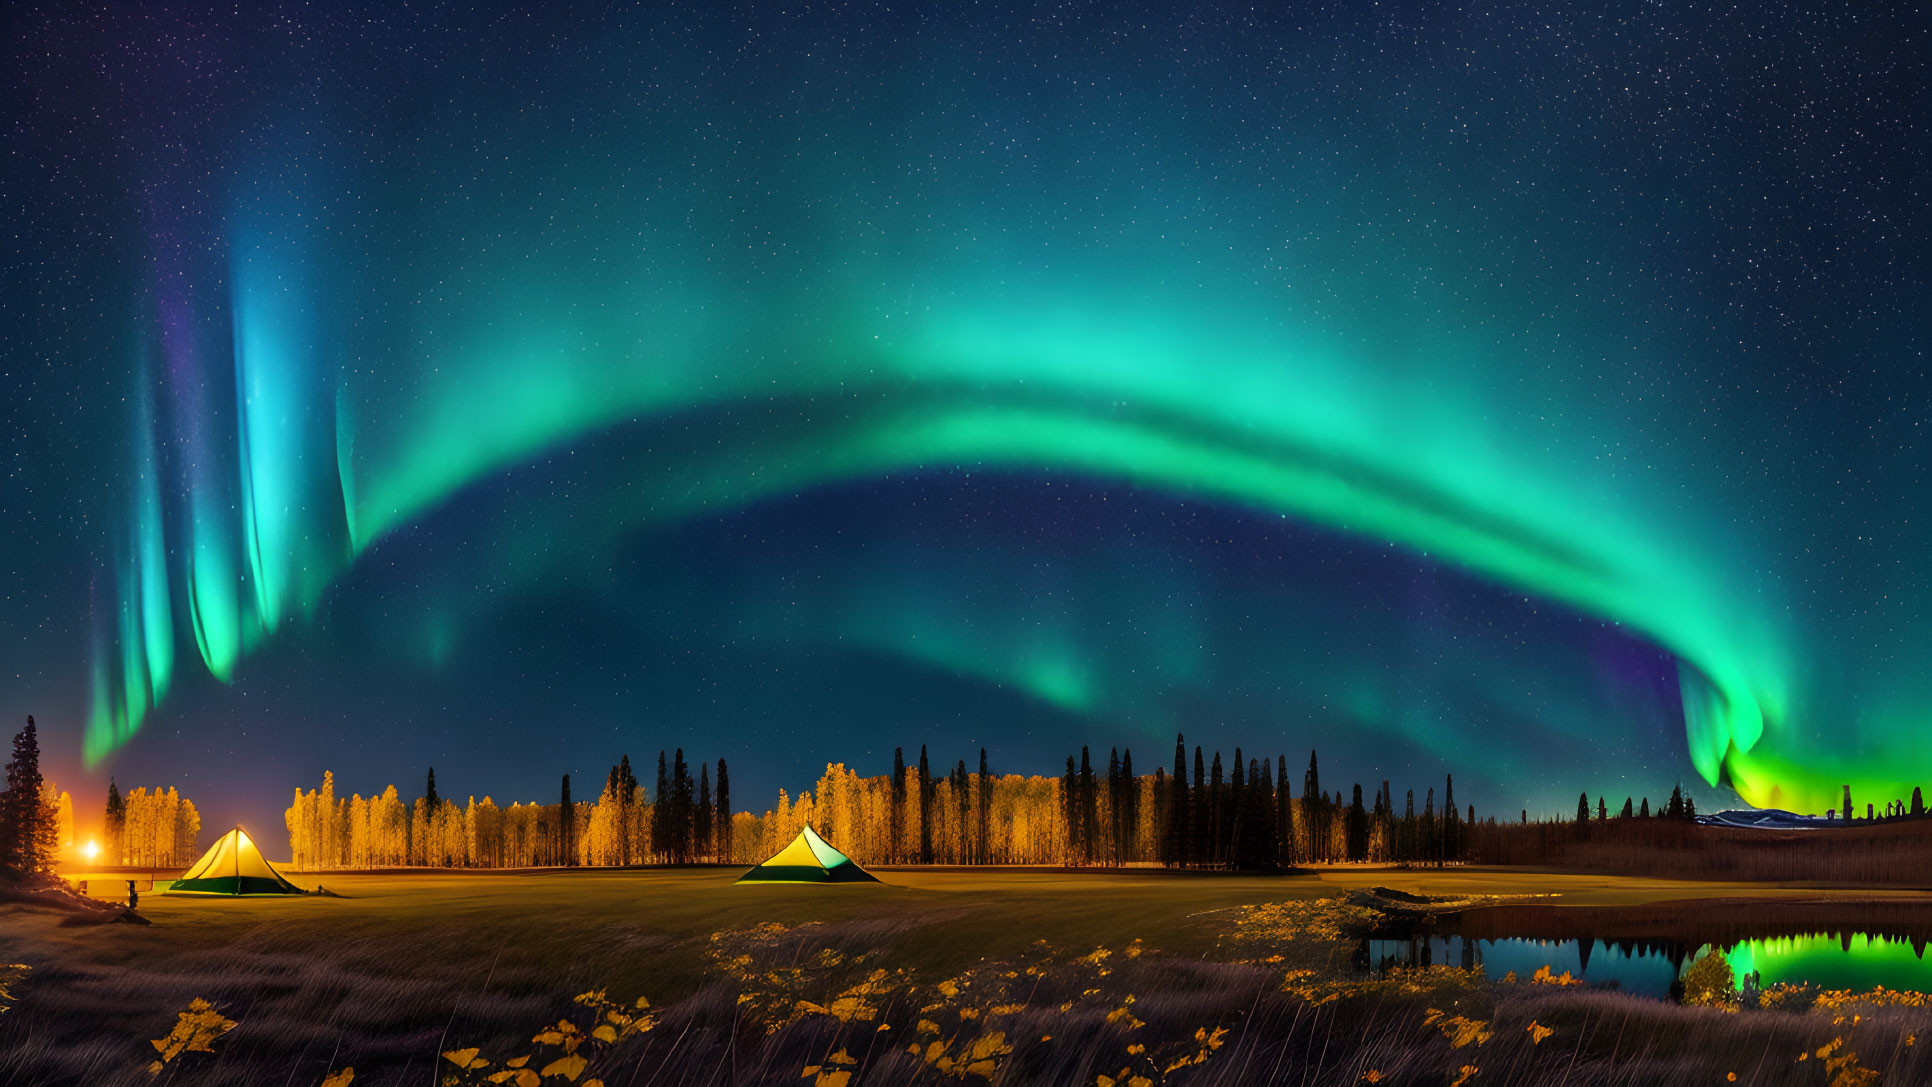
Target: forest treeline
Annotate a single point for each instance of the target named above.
(1202, 811)
(149, 828)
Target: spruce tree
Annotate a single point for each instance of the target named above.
(723, 802)
(701, 828)
(895, 850)
(1582, 808)
(566, 827)
(1089, 814)
(1284, 814)
(1116, 802)
(115, 824)
(1070, 809)
(681, 805)
(26, 836)
(1130, 808)
(429, 792)
(1200, 814)
(927, 787)
(661, 810)
(983, 845)
(1311, 811)
(1357, 830)
(1174, 831)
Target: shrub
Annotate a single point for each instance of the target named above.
(1709, 981)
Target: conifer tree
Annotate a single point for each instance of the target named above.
(724, 813)
(1172, 849)
(1089, 814)
(896, 850)
(1582, 808)
(701, 827)
(26, 831)
(926, 789)
(115, 824)
(1285, 813)
(1200, 814)
(566, 827)
(982, 846)
(1314, 818)
(429, 791)
(661, 810)
(1070, 809)
(1357, 830)
(681, 806)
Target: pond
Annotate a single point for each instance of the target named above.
(1646, 949)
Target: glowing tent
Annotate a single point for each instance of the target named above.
(232, 866)
(809, 859)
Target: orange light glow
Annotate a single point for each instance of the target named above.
(91, 850)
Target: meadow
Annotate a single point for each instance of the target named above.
(1129, 978)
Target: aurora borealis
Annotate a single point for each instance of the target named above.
(1536, 396)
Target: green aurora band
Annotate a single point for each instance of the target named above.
(767, 262)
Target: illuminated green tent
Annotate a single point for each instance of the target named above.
(809, 859)
(232, 866)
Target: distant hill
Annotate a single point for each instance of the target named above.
(1767, 819)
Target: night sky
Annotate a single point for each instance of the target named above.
(1534, 394)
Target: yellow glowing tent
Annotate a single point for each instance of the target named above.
(232, 866)
(809, 859)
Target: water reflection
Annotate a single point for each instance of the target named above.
(1638, 969)
(1647, 949)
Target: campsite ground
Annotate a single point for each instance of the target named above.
(405, 966)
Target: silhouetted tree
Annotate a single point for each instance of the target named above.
(681, 807)
(429, 791)
(701, 821)
(1918, 802)
(661, 815)
(898, 817)
(28, 834)
(1603, 810)
(1357, 830)
(927, 788)
(115, 824)
(983, 847)
(1848, 807)
(1089, 806)
(1173, 849)
(724, 812)
(1129, 807)
(1626, 813)
(1311, 804)
(1284, 813)
(566, 827)
(1200, 813)
(1582, 808)
(1644, 811)
(1070, 808)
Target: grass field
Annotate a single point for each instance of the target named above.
(405, 967)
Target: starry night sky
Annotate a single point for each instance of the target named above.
(1536, 394)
